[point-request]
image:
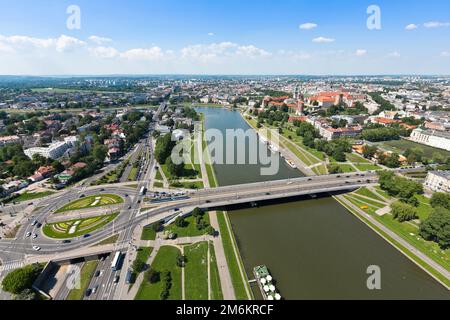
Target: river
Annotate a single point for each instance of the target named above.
(314, 248)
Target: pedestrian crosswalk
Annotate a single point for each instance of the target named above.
(11, 266)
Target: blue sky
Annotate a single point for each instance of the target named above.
(224, 37)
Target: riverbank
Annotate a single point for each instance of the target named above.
(408, 250)
(235, 264)
(300, 159)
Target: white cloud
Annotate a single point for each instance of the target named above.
(100, 40)
(323, 40)
(152, 53)
(394, 54)
(445, 54)
(252, 52)
(4, 48)
(60, 44)
(360, 52)
(411, 26)
(211, 34)
(208, 52)
(66, 43)
(436, 24)
(104, 52)
(294, 55)
(308, 26)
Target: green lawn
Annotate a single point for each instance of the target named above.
(356, 159)
(86, 275)
(133, 174)
(188, 185)
(366, 192)
(429, 248)
(94, 201)
(190, 230)
(31, 196)
(346, 168)
(148, 233)
(383, 193)
(158, 185)
(216, 289)
(367, 167)
(400, 146)
(110, 240)
(369, 202)
(232, 260)
(77, 227)
(165, 260)
(196, 271)
(143, 254)
(159, 176)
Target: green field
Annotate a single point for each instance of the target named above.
(143, 253)
(86, 274)
(158, 185)
(95, 201)
(190, 230)
(233, 262)
(367, 167)
(366, 192)
(148, 233)
(165, 260)
(31, 196)
(409, 231)
(432, 252)
(196, 271)
(77, 227)
(216, 289)
(159, 176)
(133, 174)
(400, 146)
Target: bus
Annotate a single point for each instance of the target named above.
(143, 191)
(116, 261)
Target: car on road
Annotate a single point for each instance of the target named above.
(38, 225)
(88, 292)
(94, 290)
(82, 196)
(66, 241)
(28, 234)
(86, 235)
(116, 279)
(36, 248)
(176, 209)
(34, 223)
(102, 189)
(129, 207)
(35, 236)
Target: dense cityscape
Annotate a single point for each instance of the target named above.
(227, 158)
(87, 154)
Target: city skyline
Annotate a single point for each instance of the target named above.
(252, 38)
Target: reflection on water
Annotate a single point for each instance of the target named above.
(315, 248)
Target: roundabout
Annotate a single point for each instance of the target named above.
(93, 201)
(77, 227)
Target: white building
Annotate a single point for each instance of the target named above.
(54, 150)
(438, 181)
(431, 138)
